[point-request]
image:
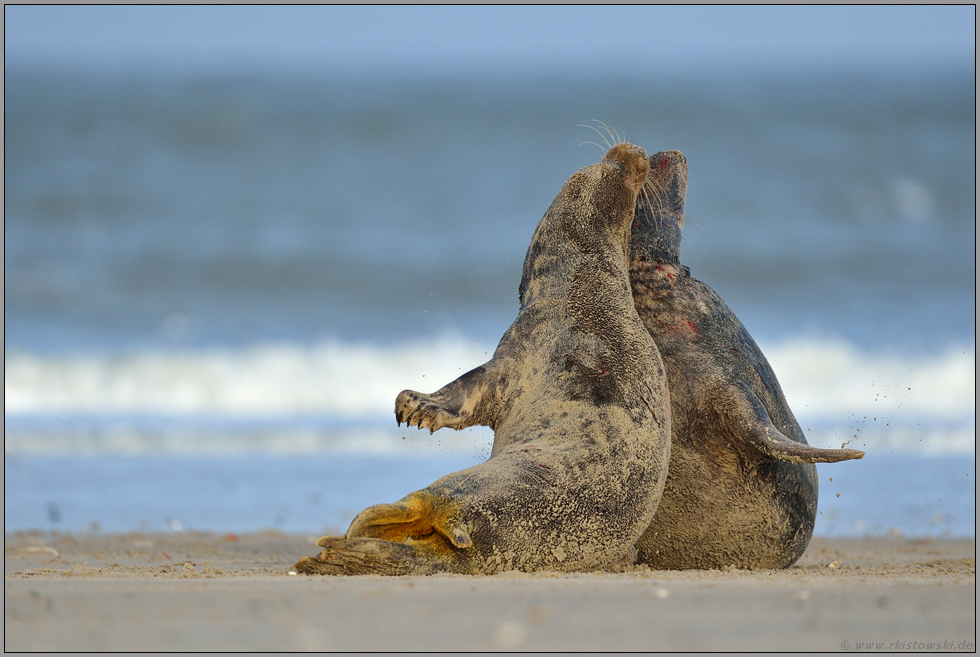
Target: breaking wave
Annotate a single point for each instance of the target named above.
(295, 398)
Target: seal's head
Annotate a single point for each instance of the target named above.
(602, 197)
(621, 174)
(659, 220)
(591, 215)
(631, 161)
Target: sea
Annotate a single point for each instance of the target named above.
(215, 284)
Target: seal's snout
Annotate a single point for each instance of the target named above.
(632, 161)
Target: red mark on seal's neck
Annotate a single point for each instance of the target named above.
(686, 327)
(669, 272)
(664, 161)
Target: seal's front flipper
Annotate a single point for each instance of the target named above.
(457, 405)
(424, 411)
(417, 516)
(361, 557)
(764, 441)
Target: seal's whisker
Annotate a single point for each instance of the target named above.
(651, 193)
(601, 149)
(655, 192)
(598, 132)
(641, 201)
(612, 134)
(644, 198)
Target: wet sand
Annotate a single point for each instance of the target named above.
(200, 591)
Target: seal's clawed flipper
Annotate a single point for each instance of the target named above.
(424, 411)
(764, 441)
(364, 556)
(417, 516)
(456, 405)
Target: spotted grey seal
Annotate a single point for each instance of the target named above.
(741, 486)
(576, 395)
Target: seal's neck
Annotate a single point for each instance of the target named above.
(657, 235)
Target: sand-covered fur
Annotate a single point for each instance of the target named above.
(576, 394)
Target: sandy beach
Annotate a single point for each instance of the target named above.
(201, 591)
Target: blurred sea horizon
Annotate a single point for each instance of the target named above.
(201, 266)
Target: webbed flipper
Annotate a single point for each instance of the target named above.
(365, 556)
(418, 535)
(417, 516)
(760, 439)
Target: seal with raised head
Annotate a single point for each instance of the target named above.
(576, 395)
(741, 486)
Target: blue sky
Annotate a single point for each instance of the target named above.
(509, 39)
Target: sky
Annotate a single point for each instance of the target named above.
(431, 39)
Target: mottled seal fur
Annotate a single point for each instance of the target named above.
(576, 394)
(741, 486)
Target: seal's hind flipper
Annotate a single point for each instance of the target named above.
(328, 541)
(415, 517)
(417, 536)
(764, 441)
(360, 557)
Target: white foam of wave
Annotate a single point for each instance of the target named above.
(833, 380)
(341, 379)
(827, 380)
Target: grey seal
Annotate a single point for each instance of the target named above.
(741, 487)
(576, 395)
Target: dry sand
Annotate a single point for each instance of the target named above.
(199, 591)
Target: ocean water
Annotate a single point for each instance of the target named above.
(215, 286)
(317, 494)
